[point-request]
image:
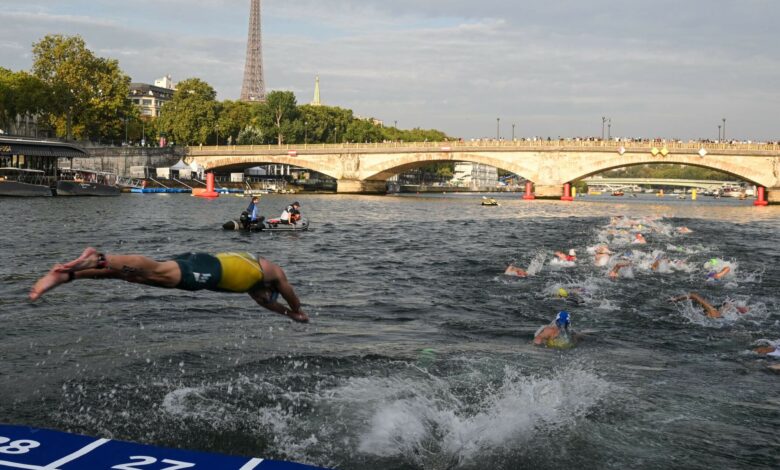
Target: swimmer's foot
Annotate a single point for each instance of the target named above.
(52, 279)
(89, 259)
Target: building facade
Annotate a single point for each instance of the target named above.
(150, 98)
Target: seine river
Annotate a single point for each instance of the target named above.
(419, 352)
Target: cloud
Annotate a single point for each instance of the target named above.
(663, 68)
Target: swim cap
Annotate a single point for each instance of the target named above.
(562, 292)
(562, 319)
(572, 252)
(296, 203)
(714, 261)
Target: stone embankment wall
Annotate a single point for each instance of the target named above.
(119, 160)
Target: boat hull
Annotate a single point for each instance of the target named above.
(268, 226)
(73, 188)
(17, 189)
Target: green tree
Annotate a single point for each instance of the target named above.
(361, 130)
(88, 93)
(21, 94)
(250, 135)
(190, 118)
(278, 116)
(234, 116)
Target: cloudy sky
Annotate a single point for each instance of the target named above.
(657, 68)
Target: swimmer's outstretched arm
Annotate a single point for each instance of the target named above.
(262, 299)
(711, 311)
(275, 275)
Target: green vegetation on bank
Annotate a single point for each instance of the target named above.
(78, 95)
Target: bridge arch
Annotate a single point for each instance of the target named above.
(216, 163)
(734, 166)
(378, 169)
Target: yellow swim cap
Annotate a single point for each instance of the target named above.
(562, 292)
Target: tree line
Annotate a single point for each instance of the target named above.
(80, 96)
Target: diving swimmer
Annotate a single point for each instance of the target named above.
(221, 272)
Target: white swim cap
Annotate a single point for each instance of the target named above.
(572, 252)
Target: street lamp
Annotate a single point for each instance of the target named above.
(724, 128)
(603, 123)
(513, 132)
(719, 138)
(305, 133)
(498, 128)
(609, 129)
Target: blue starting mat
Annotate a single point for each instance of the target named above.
(38, 449)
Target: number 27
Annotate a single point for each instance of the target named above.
(150, 460)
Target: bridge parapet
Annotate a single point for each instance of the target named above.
(661, 146)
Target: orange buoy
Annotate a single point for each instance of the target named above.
(209, 192)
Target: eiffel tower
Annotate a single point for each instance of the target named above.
(254, 84)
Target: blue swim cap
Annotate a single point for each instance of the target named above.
(562, 319)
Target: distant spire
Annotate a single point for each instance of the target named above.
(316, 101)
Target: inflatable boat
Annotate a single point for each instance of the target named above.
(266, 225)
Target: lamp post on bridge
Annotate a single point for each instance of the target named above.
(603, 123)
(724, 128)
(305, 133)
(513, 132)
(719, 139)
(609, 129)
(498, 128)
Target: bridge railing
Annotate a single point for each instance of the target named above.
(507, 145)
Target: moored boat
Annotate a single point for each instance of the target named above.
(86, 183)
(618, 193)
(18, 182)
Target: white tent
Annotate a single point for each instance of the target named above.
(198, 170)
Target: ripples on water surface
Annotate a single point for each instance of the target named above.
(655, 385)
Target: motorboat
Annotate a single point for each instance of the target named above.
(734, 191)
(618, 193)
(489, 202)
(266, 225)
(22, 182)
(86, 183)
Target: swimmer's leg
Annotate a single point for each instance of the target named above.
(92, 265)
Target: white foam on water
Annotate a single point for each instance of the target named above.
(536, 264)
(428, 424)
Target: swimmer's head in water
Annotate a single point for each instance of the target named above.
(562, 292)
(572, 252)
(713, 261)
(562, 319)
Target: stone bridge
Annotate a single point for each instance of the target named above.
(365, 168)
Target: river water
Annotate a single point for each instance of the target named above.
(419, 353)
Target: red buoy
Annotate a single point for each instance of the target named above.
(529, 191)
(761, 197)
(209, 191)
(567, 193)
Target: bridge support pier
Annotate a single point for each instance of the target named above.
(773, 195)
(548, 191)
(359, 186)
